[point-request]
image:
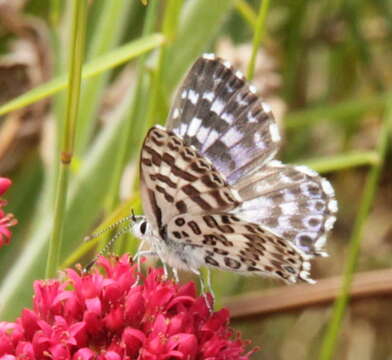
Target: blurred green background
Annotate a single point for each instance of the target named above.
(323, 66)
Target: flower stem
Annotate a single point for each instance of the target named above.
(79, 11)
(259, 32)
(332, 333)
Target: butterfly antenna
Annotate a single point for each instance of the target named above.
(111, 227)
(107, 246)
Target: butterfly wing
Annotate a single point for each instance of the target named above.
(218, 113)
(214, 162)
(293, 202)
(226, 242)
(175, 179)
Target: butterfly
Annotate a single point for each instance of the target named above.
(212, 193)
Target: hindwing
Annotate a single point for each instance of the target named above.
(226, 242)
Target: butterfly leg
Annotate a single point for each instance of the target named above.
(204, 292)
(203, 288)
(140, 254)
(175, 274)
(209, 285)
(137, 257)
(165, 271)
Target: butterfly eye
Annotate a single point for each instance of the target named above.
(143, 227)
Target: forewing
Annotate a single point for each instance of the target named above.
(293, 202)
(218, 113)
(226, 242)
(175, 179)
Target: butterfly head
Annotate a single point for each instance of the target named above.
(140, 227)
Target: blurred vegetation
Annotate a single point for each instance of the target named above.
(329, 75)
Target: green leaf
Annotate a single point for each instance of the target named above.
(207, 17)
(342, 161)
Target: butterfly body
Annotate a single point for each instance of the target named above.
(176, 254)
(212, 193)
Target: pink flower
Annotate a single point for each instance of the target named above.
(6, 220)
(4, 185)
(106, 315)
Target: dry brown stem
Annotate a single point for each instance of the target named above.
(285, 298)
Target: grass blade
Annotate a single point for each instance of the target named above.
(207, 17)
(105, 62)
(106, 35)
(335, 112)
(246, 12)
(258, 36)
(342, 161)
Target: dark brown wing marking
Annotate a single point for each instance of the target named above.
(176, 179)
(229, 243)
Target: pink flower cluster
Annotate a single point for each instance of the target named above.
(105, 315)
(6, 220)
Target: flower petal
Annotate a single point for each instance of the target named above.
(132, 339)
(83, 354)
(5, 183)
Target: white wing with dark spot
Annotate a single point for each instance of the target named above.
(217, 112)
(293, 202)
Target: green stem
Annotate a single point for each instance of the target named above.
(55, 10)
(79, 11)
(259, 32)
(334, 326)
(246, 12)
(170, 21)
(169, 30)
(131, 114)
